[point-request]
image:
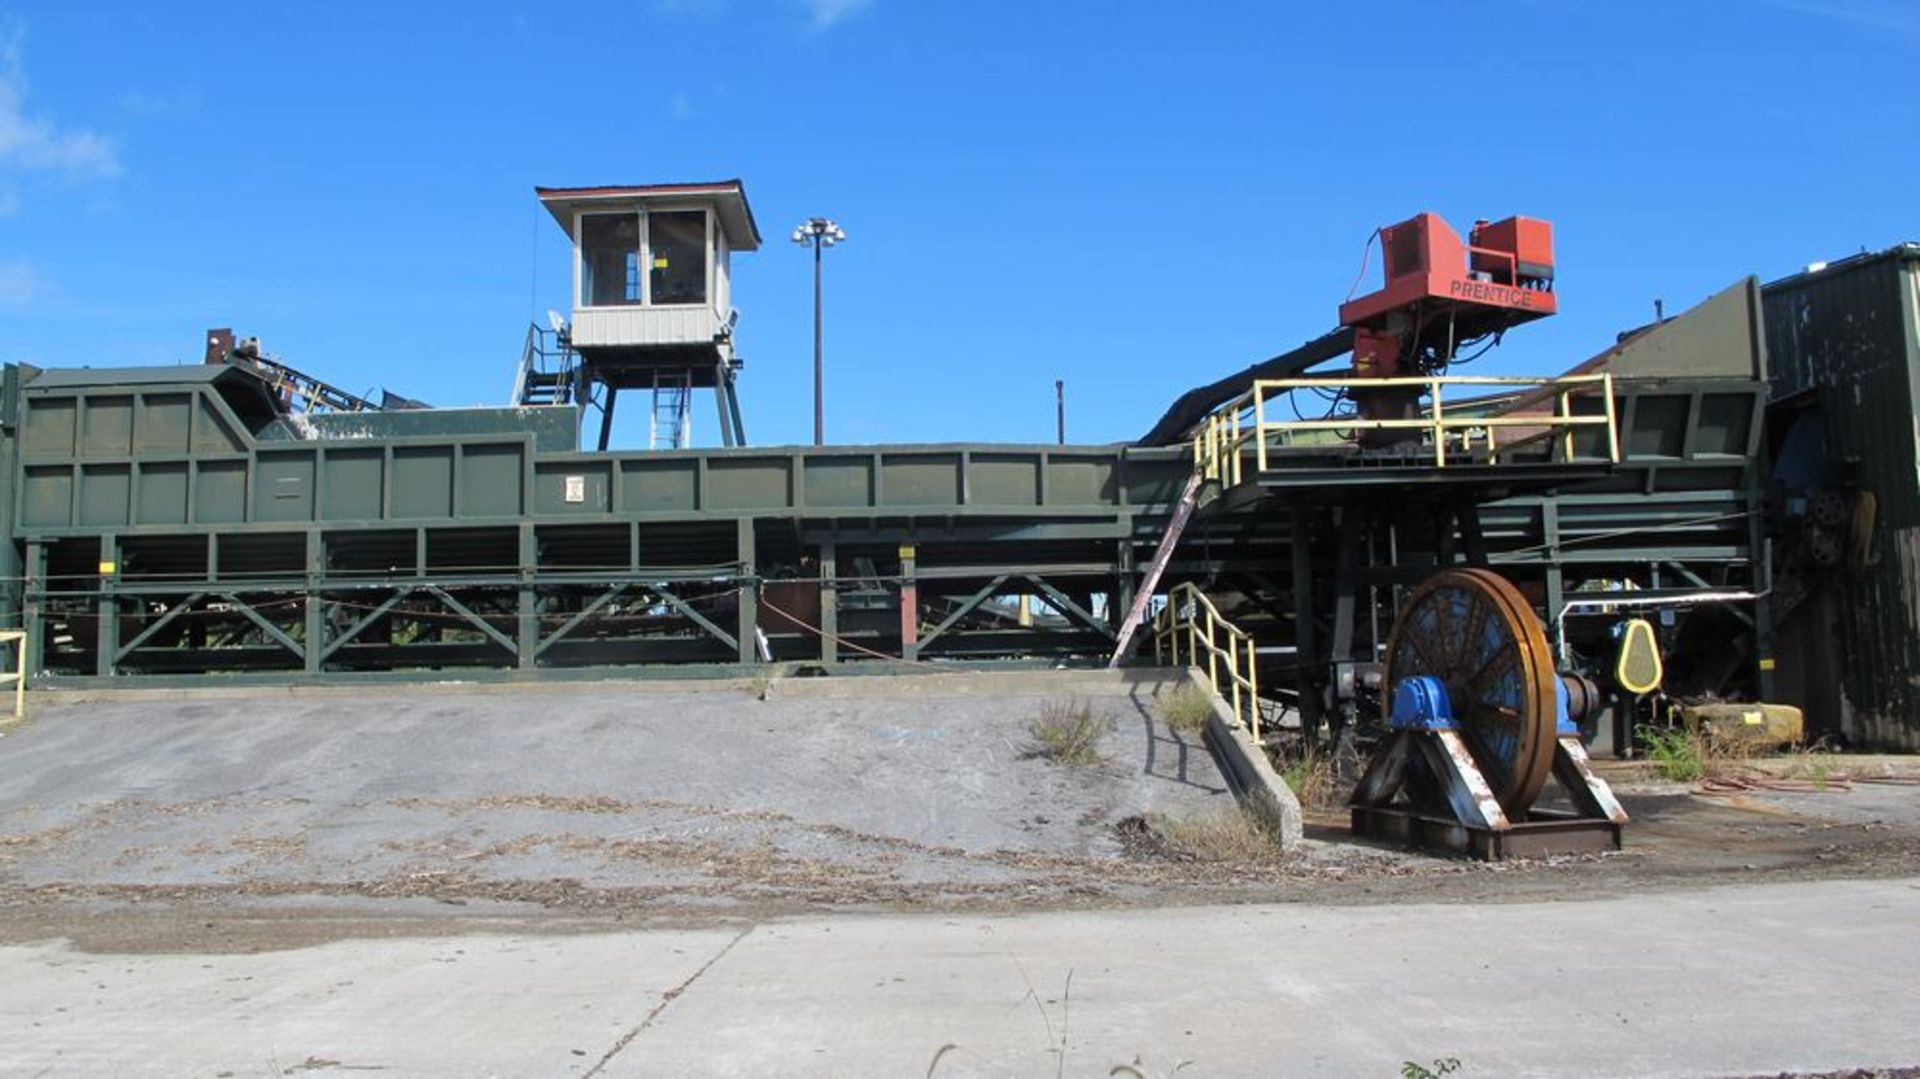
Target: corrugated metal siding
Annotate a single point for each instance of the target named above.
(595, 326)
(1850, 333)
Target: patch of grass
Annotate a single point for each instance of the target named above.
(1069, 732)
(1186, 707)
(1815, 761)
(1682, 755)
(1413, 1069)
(1219, 835)
(1314, 779)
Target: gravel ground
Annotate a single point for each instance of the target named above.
(271, 819)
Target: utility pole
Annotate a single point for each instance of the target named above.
(1060, 410)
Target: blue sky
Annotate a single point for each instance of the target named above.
(1132, 197)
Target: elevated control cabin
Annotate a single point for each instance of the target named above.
(653, 297)
(650, 267)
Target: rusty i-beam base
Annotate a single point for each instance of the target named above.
(1433, 768)
(1547, 833)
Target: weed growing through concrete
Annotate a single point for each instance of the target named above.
(760, 685)
(1413, 1069)
(1219, 835)
(1186, 707)
(1813, 761)
(1069, 732)
(1314, 779)
(1679, 754)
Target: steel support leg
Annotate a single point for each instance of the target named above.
(909, 605)
(606, 417)
(1123, 584)
(34, 599)
(1306, 647)
(107, 630)
(527, 622)
(749, 595)
(829, 602)
(315, 631)
(727, 437)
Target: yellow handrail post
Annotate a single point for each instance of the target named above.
(1193, 642)
(17, 638)
(1213, 657)
(1566, 429)
(1613, 429)
(1439, 427)
(1233, 672)
(1260, 427)
(1173, 629)
(1253, 690)
(1234, 448)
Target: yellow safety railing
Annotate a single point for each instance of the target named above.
(18, 675)
(1191, 617)
(1219, 444)
(1216, 447)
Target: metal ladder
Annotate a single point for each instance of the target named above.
(672, 424)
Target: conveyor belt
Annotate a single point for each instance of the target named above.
(1196, 404)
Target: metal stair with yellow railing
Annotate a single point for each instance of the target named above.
(1563, 420)
(1213, 645)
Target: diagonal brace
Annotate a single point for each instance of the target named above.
(967, 607)
(699, 619)
(279, 635)
(475, 620)
(358, 627)
(586, 612)
(156, 625)
(1059, 601)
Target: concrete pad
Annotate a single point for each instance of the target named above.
(450, 1007)
(1730, 982)
(1735, 981)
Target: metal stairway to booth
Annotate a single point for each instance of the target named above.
(549, 369)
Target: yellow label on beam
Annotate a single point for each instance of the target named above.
(1767, 664)
(109, 568)
(907, 552)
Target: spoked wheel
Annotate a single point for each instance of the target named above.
(1475, 632)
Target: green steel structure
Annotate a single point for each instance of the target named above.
(176, 524)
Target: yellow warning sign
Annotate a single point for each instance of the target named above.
(1637, 668)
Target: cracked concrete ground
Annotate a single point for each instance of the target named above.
(1744, 980)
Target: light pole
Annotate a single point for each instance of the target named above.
(821, 233)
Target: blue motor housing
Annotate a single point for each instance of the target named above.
(1563, 726)
(1420, 703)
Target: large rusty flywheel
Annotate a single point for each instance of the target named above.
(1473, 631)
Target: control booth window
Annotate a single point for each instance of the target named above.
(609, 260)
(677, 248)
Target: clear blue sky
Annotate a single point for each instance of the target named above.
(1133, 197)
